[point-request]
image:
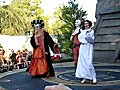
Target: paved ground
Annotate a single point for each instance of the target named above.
(108, 76)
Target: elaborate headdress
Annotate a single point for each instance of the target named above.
(39, 23)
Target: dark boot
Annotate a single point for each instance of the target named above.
(75, 67)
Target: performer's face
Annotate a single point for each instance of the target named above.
(77, 23)
(86, 24)
(37, 27)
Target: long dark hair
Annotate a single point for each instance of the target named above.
(89, 22)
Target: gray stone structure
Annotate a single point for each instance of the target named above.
(107, 31)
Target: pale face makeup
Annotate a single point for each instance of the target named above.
(38, 30)
(77, 23)
(37, 27)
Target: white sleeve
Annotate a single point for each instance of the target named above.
(90, 37)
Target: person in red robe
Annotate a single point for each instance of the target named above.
(41, 64)
(76, 43)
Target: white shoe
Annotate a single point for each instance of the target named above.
(94, 81)
(83, 81)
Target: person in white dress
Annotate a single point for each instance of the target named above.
(85, 68)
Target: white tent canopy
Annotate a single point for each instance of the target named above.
(18, 42)
(15, 42)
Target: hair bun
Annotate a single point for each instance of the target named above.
(40, 22)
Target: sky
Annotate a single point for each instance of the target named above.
(87, 5)
(2, 2)
(50, 5)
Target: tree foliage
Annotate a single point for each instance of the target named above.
(69, 13)
(16, 17)
(12, 22)
(56, 22)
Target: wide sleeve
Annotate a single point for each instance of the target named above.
(90, 37)
(32, 42)
(51, 43)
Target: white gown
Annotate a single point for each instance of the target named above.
(85, 67)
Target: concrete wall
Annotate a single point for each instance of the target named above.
(107, 30)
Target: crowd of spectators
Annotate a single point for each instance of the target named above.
(11, 60)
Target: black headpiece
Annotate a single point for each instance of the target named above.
(37, 22)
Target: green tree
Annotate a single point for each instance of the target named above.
(68, 16)
(16, 17)
(56, 22)
(30, 10)
(11, 22)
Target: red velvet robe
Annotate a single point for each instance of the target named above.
(75, 49)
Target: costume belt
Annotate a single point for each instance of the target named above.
(75, 45)
(83, 43)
